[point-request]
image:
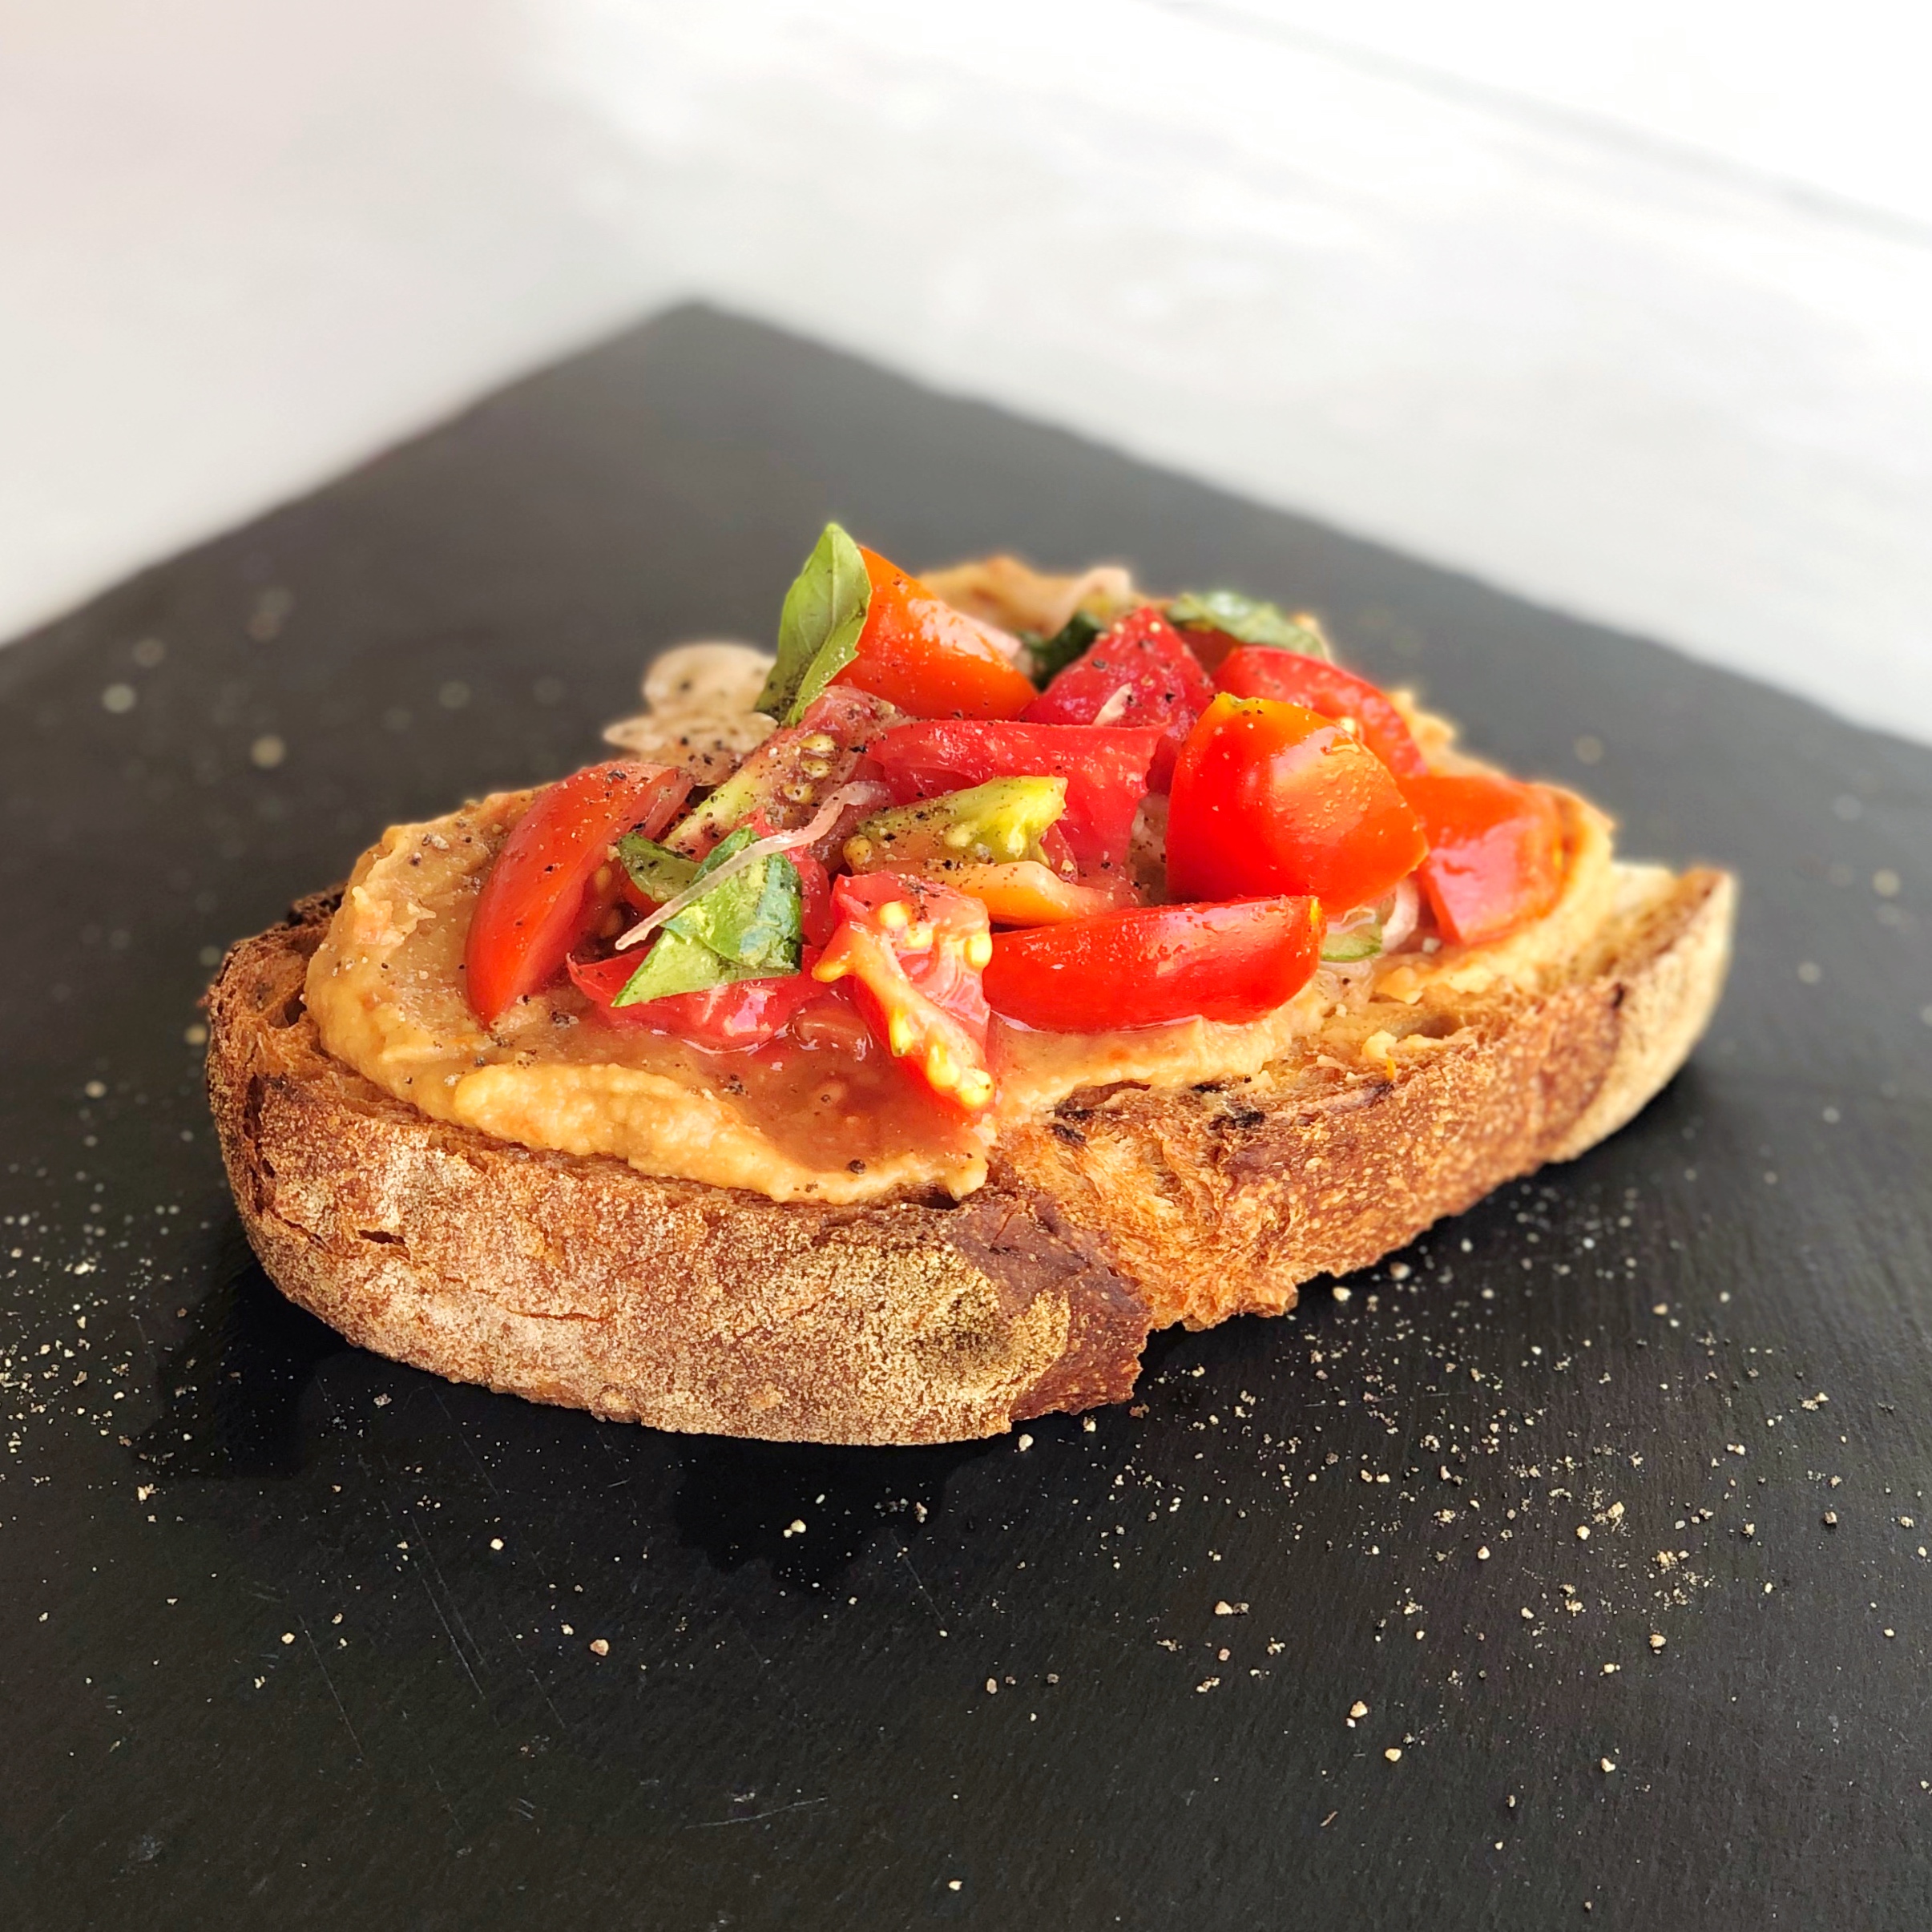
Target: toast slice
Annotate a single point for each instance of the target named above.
(581, 1280)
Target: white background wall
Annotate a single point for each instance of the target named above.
(1629, 308)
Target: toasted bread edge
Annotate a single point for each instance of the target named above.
(583, 1282)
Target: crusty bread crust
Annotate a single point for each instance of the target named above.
(584, 1282)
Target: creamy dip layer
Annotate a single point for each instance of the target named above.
(385, 990)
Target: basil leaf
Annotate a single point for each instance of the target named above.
(1048, 656)
(818, 629)
(749, 927)
(1249, 619)
(677, 964)
(754, 919)
(658, 872)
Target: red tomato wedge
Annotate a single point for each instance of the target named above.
(1138, 672)
(1156, 963)
(919, 653)
(1271, 799)
(912, 952)
(1495, 852)
(1105, 768)
(1251, 671)
(739, 1015)
(538, 901)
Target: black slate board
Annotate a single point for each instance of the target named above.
(295, 1637)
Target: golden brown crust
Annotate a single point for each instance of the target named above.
(584, 1282)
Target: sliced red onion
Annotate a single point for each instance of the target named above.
(1399, 922)
(865, 794)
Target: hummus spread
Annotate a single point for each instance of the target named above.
(386, 990)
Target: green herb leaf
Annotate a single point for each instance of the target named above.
(1048, 656)
(656, 872)
(675, 963)
(818, 629)
(755, 918)
(749, 927)
(1248, 619)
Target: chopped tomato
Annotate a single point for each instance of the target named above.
(1495, 852)
(739, 1014)
(1155, 963)
(815, 917)
(786, 779)
(1025, 893)
(1290, 678)
(1138, 672)
(543, 894)
(1270, 798)
(1105, 768)
(913, 952)
(919, 653)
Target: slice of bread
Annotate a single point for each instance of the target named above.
(582, 1281)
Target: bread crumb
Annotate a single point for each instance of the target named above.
(1358, 1708)
(600, 1647)
(496, 1542)
(1482, 1554)
(1607, 1764)
(1394, 1754)
(1025, 1442)
(1656, 1642)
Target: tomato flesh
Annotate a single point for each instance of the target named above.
(1025, 893)
(1106, 768)
(931, 661)
(1251, 670)
(1140, 672)
(1496, 852)
(1156, 963)
(785, 781)
(1271, 799)
(539, 900)
(912, 952)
